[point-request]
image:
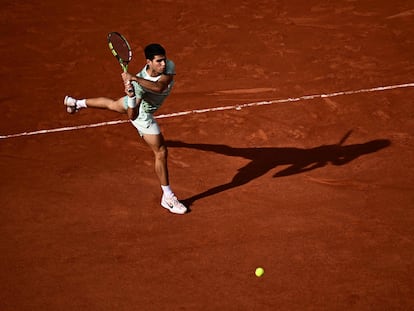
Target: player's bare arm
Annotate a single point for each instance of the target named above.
(133, 112)
(154, 86)
(133, 102)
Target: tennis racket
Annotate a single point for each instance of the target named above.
(120, 48)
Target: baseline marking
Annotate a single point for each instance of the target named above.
(237, 107)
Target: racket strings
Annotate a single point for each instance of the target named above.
(120, 47)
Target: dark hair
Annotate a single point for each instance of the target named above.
(153, 49)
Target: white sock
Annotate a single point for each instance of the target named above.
(167, 190)
(81, 103)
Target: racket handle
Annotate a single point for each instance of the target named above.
(129, 85)
(125, 69)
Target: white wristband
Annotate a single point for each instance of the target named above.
(132, 103)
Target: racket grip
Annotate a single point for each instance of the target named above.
(129, 85)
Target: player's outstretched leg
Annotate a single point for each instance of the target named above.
(73, 105)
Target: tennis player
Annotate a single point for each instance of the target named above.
(150, 87)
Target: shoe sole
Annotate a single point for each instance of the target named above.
(69, 109)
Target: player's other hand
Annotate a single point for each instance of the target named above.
(129, 89)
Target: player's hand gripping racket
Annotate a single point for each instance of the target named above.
(121, 49)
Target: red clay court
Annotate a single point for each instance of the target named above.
(294, 149)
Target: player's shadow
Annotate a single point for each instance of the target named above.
(266, 158)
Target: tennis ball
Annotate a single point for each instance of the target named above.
(259, 272)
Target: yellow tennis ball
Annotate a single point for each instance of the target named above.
(259, 272)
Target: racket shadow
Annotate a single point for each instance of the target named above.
(264, 159)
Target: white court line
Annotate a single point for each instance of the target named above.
(237, 107)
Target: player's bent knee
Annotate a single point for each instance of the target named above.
(161, 153)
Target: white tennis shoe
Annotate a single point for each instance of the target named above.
(70, 104)
(172, 204)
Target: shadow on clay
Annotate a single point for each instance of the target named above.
(267, 158)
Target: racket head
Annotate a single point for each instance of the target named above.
(120, 48)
